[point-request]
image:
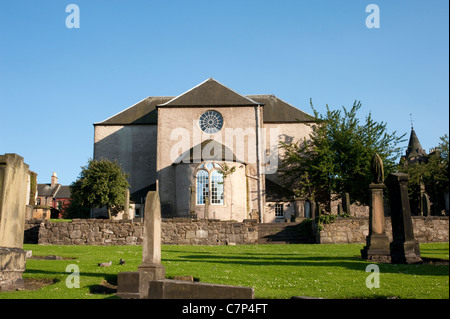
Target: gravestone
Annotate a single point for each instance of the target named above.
(126, 209)
(377, 242)
(14, 175)
(404, 248)
(346, 203)
(135, 284)
(426, 205)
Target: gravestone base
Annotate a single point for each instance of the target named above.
(135, 284)
(377, 249)
(405, 252)
(12, 266)
(178, 289)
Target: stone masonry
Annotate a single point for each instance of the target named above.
(184, 231)
(125, 232)
(354, 230)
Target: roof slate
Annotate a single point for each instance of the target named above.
(208, 93)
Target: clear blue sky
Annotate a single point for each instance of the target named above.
(55, 82)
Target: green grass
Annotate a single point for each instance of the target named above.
(275, 271)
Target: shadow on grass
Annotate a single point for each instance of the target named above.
(107, 286)
(354, 263)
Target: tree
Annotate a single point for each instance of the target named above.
(101, 183)
(433, 174)
(337, 157)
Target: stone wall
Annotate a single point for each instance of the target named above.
(354, 230)
(184, 231)
(118, 232)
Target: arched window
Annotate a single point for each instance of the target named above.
(209, 177)
(202, 186)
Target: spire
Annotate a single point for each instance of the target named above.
(414, 147)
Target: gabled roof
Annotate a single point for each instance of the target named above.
(63, 192)
(210, 93)
(278, 111)
(47, 189)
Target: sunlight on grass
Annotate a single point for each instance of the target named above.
(275, 271)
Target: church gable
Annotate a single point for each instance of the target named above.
(210, 93)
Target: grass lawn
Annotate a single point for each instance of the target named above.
(275, 271)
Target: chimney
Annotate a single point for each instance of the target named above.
(54, 179)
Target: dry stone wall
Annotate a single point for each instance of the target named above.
(180, 231)
(354, 230)
(117, 232)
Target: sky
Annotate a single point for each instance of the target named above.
(56, 82)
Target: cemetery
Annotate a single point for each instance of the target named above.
(218, 259)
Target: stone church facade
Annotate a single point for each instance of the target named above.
(211, 152)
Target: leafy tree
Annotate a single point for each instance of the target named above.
(433, 173)
(337, 158)
(101, 183)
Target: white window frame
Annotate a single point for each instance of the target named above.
(214, 180)
(279, 208)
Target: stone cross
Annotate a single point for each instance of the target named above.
(404, 248)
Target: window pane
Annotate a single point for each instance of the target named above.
(279, 212)
(216, 188)
(202, 186)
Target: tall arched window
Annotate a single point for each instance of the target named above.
(209, 177)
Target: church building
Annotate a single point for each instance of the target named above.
(211, 152)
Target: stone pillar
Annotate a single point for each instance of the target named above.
(299, 208)
(13, 201)
(346, 203)
(135, 285)
(151, 268)
(377, 242)
(126, 209)
(404, 248)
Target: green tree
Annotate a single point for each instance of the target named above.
(100, 183)
(337, 157)
(433, 174)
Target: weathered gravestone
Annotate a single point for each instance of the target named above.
(134, 285)
(149, 281)
(404, 248)
(13, 199)
(377, 242)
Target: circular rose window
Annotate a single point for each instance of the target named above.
(211, 122)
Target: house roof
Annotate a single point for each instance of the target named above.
(143, 112)
(63, 192)
(208, 93)
(278, 111)
(47, 189)
(277, 193)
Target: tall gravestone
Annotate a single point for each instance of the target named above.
(13, 199)
(135, 284)
(377, 242)
(404, 248)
